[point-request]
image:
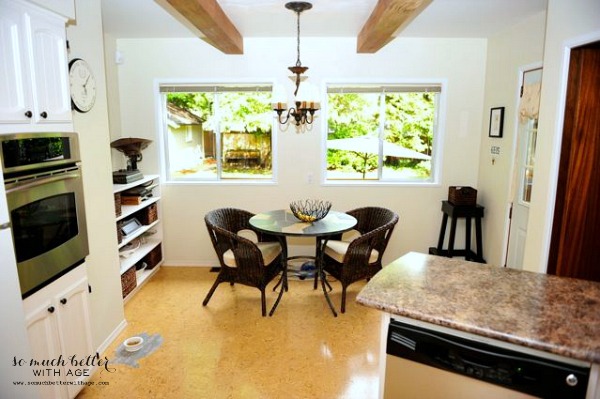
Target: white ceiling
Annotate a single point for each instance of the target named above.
(327, 18)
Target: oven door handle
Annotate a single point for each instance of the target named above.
(35, 182)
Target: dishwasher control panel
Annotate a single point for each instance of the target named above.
(515, 370)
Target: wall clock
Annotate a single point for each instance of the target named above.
(83, 85)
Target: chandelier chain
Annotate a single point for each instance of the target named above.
(298, 63)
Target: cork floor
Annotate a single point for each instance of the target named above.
(228, 350)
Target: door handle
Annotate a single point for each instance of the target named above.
(40, 181)
(5, 226)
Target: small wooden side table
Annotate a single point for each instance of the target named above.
(455, 212)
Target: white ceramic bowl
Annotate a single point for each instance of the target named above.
(133, 344)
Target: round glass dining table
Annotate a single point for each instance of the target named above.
(282, 223)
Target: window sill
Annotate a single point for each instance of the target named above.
(221, 183)
(374, 183)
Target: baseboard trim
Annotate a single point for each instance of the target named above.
(109, 340)
(187, 264)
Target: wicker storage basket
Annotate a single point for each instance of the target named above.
(154, 257)
(148, 215)
(128, 281)
(465, 196)
(118, 204)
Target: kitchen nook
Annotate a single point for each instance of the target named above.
(109, 257)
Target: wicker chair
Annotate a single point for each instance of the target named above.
(359, 257)
(246, 257)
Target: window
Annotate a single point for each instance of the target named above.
(218, 132)
(529, 162)
(381, 133)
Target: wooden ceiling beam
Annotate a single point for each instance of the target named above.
(210, 19)
(387, 18)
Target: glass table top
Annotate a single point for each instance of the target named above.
(283, 222)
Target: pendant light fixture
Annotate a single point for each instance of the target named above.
(304, 110)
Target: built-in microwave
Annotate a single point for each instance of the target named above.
(44, 192)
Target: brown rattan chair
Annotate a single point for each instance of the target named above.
(359, 257)
(246, 257)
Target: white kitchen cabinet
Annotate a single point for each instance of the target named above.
(34, 80)
(146, 240)
(58, 327)
(65, 8)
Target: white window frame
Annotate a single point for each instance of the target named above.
(161, 117)
(439, 132)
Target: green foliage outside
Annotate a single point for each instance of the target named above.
(248, 112)
(199, 104)
(408, 120)
(244, 120)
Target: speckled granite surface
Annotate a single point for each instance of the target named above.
(549, 313)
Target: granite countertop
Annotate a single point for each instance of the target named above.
(549, 313)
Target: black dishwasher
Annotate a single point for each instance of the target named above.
(519, 372)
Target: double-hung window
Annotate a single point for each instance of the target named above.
(218, 132)
(385, 133)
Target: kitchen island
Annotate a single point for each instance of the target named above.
(544, 313)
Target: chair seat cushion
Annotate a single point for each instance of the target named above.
(337, 249)
(248, 234)
(268, 250)
(350, 235)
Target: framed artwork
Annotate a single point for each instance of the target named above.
(496, 122)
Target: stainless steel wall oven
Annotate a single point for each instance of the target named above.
(42, 178)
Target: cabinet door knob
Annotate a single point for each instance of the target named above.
(44, 114)
(51, 309)
(63, 301)
(29, 114)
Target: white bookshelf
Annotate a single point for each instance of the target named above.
(140, 242)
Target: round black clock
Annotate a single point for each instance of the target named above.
(83, 85)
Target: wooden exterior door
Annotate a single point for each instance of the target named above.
(576, 229)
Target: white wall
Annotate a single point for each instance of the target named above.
(569, 23)
(107, 314)
(461, 63)
(507, 52)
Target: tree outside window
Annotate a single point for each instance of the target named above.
(381, 133)
(218, 133)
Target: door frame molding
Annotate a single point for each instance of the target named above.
(568, 45)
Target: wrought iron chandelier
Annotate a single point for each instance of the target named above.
(304, 111)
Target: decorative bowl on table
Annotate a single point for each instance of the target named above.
(310, 210)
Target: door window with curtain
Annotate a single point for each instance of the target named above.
(528, 120)
(383, 133)
(218, 132)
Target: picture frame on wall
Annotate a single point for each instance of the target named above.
(496, 122)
